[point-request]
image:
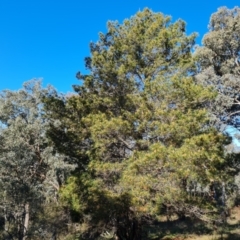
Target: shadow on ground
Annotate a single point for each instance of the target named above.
(182, 229)
(233, 236)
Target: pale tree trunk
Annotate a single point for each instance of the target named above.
(5, 220)
(26, 220)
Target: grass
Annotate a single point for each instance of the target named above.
(188, 229)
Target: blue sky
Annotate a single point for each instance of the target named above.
(49, 39)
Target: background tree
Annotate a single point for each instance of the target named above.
(29, 168)
(218, 63)
(137, 129)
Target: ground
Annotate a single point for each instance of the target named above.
(196, 230)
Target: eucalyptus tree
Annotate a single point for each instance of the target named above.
(218, 65)
(29, 169)
(218, 62)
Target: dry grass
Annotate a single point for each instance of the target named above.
(196, 231)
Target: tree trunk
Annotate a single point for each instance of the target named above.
(26, 220)
(132, 230)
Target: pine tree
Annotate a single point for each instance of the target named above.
(138, 130)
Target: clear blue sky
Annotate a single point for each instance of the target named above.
(49, 39)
